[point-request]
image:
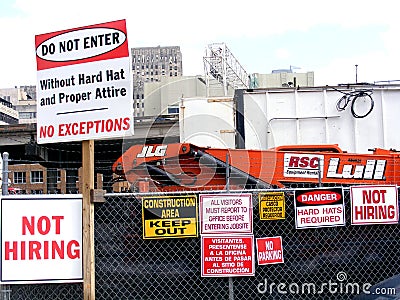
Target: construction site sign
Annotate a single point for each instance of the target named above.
(376, 204)
(225, 256)
(84, 84)
(226, 213)
(271, 205)
(269, 250)
(41, 239)
(169, 216)
(319, 207)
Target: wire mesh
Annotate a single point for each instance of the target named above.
(128, 266)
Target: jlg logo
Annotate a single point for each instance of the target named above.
(147, 151)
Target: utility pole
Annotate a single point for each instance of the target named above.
(356, 73)
(4, 174)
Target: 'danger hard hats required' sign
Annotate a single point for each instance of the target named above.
(84, 84)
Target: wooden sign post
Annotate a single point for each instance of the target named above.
(75, 106)
(88, 220)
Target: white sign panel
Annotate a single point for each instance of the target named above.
(84, 84)
(303, 165)
(41, 239)
(321, 207)
(374, 205)
(226, 213)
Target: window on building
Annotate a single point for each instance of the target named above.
(36, 176)
(19, 177)
(172, 110)
(27, 115)
(58, 175)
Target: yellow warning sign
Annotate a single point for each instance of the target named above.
(169, 216)
(271, 205)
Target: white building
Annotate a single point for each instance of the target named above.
(8, 115)
(23, 100)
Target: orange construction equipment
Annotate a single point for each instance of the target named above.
(184, 166)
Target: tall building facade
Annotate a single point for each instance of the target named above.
(151, 64)
(23, 101)
(8, 114)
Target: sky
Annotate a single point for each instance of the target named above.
(327, 37)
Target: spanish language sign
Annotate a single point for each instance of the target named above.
(269, 250)
(169, 216)
(271, 205)
(84, 84)
(41, 239)
(226, 213)
(374, 204)
(227, 256)
(319, 208)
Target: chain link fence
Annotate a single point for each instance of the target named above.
(319, 263)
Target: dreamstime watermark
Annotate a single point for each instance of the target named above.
(340, 285)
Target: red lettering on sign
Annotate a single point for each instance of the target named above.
(374, 212)
(37, 250)
(97, 126)
(303, 162)
(43, 224)
(373, 196)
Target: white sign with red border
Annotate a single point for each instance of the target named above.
(227, 256)
(269, 250)
(226, 213)
(321, 207)
(376, 204)
(84, 84)
(41, 239)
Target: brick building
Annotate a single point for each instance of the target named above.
(35, 179)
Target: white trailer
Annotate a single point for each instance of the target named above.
(266, 118)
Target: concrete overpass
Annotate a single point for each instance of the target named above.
(20, 142)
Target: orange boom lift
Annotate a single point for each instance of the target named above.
(184, 166)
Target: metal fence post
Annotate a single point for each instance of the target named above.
(319, 173)
(227, 177)
(4, 172)
(5, 288)
(227, 173)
